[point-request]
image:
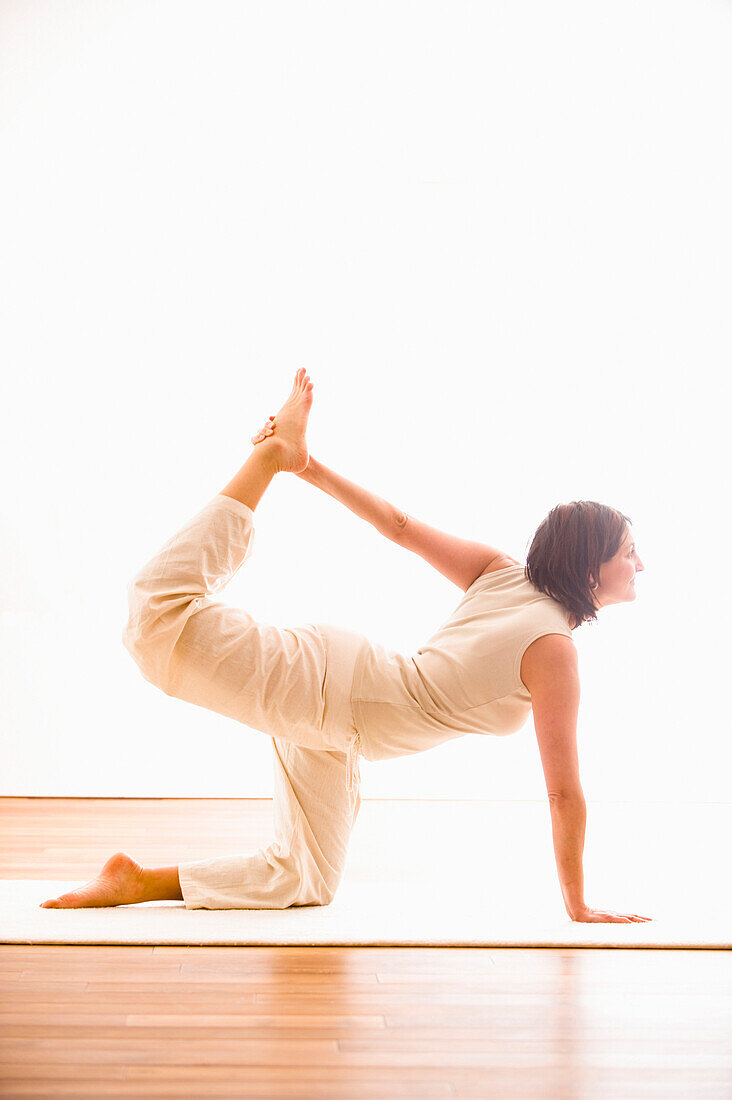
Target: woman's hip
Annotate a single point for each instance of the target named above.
(288, 682)
(342, 649)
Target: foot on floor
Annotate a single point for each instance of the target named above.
(119, 882)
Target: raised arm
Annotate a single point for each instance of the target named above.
(460, 560)
(374, 509)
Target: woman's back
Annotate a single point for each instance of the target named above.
(464, 679)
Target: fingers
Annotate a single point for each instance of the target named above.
(267, 430)
(605, 916)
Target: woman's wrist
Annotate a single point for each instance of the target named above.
(575, 911)
(310, 472)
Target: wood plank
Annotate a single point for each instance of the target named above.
(247, 1087)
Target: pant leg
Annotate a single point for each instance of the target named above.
(293, 684)
(205, 652)
(314, 813)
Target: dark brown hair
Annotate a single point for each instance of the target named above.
(571, 544)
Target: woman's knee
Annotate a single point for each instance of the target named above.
(315, 888)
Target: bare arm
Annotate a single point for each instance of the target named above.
(569, 817)
(374, 509)
(550, 671)
(460, 560)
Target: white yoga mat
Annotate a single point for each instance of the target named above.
(361, 914)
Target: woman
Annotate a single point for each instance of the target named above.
(324, 694)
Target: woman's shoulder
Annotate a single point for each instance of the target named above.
(546, 658)
(503, 561)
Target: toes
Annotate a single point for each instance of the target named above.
(54, 903)
(75, 899)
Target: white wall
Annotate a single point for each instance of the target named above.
(498, 237)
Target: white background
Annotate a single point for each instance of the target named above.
(498, 237)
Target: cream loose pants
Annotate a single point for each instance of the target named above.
(293, 684)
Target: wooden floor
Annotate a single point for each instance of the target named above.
(332, 1022)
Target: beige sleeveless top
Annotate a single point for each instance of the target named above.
(464, 679)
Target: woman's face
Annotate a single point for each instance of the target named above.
(617, 576)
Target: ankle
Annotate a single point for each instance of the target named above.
(160, 884)
(273, 454)
(251, 482)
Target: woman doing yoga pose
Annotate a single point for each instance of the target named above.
(324, 694)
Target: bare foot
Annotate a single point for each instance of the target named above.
(118, 883)
(284, 434)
